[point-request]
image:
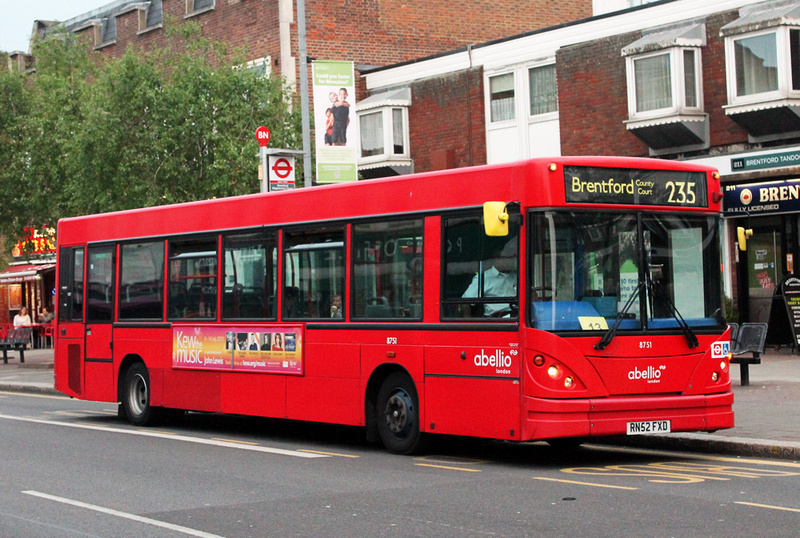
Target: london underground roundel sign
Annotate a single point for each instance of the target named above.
(262, 135)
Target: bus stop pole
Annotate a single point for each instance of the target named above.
(262, 154)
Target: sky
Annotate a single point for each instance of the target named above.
(17, 16)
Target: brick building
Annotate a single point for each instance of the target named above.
(368, 32)
(713, 81)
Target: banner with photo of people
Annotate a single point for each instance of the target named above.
(255, 349)
(335, 121)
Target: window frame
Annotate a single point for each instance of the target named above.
(122, 309)
(172, 257)
(460, 308)
(504, 122)
(192, 11)
(268, 238)
(387, 119)
(784, 66)
(416, 274)
(677, 82)
(290, 241)
(541, 116)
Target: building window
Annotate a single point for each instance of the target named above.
(665, 99)
(260, 66)
(384, 133)
(197, 6)
(543, 90)
(152, 16)
(762, 60)
(501, 97)
(767, 63)
(663, 83)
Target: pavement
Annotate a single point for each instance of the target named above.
(767, 412)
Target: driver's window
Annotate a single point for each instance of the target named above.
(481, 273)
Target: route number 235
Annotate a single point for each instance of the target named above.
(681, 192)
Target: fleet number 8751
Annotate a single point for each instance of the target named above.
(681, 192)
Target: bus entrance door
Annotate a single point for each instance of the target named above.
(98, 360)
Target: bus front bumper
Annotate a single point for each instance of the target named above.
(552, 419)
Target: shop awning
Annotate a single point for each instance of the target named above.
(17, 274)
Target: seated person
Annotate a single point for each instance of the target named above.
(500, 280)
(22, 319)
(45, 316)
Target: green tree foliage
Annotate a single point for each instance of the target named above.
(85, 134)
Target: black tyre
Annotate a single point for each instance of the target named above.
(566, 444)
(398, 414)
(136, 395)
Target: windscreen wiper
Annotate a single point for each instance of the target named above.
(691, 338)
(612, 332)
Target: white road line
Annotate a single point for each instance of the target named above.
(125, 515)
(197, 440)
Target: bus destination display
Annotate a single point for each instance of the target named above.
(595, 185)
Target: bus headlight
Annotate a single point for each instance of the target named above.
(569, 382)
(553, 372)
(715, 377)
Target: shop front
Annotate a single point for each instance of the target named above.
(770, 209)
(30, 280)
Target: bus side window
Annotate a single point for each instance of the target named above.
(314, 269)
(481, 276)
(387, 269)
(250, 276)
(70, 299)
(193, 278)
(141, 281)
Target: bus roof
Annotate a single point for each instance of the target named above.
(447, 189)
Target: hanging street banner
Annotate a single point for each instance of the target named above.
(335, 121)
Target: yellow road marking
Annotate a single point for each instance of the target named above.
(327, 453)
(770, 507)
(450, 459)
(234, 441)
(448, 467)
(582, 483)
(696, 456)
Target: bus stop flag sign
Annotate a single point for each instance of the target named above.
(262, 135)
(281, 172)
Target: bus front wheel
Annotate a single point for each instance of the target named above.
(398, 414)
(136, 395)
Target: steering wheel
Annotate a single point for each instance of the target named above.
(543, 288)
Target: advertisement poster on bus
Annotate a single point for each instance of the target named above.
(335, 121)
(277, 350)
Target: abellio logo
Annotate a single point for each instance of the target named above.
(496, 360)
(650, 374)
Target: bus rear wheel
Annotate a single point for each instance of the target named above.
(136, 395)
(398, 414)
